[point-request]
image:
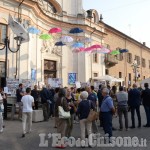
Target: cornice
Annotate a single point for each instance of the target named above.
(53, 21)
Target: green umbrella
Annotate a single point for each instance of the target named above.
(115, 52)
(45, 36)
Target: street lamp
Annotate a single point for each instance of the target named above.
(135, 67)
(6, 46)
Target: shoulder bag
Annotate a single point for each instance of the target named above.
(93, 115)
(63, 114)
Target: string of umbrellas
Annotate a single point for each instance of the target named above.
(77, 44)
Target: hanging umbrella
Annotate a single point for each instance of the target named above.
(78, 45)
(66, 39)
(60, 43)
(105, 50)
(75, 30)
(77, 50)
(87, 40)
(18, 29)
(45, 37)
(55, 30)
(88, 49)
(33, 30)
(115, 52)
(96, 46)
(123, 50)
(94, 51)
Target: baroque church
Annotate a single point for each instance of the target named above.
(40, 59)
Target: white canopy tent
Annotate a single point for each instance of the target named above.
(145, 81)
(109, 78)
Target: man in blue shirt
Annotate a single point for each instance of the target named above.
(107, 111)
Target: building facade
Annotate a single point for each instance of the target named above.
(121, 66)
(50, 61)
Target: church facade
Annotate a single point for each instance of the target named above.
(51, 61)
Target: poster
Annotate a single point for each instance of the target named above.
(55, 82)
(78, 84)
(33, 74)
(71, 78)
(13, 84)
(6, 90)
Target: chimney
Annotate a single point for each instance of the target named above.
(144, 43)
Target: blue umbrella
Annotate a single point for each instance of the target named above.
(33, 30)
(123, 51)
(59, 44)
(75, 30)
(78, 45)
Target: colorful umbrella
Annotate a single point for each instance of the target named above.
(66, 39)
(77, 50)
(87, 40)
(75, 30)
(96, 46)
(123, 50)
(78, 45)
(59, 44)
(115, 52)
(55, 30)
(98, 50)
(45, 37)
(105, 50)
(33, 30)
(88, 49)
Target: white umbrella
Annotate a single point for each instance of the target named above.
(18, 29)
(66, 39)
(87, 40)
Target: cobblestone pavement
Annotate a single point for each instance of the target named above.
(11, 139)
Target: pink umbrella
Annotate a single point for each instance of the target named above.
(88, 49)
(98, 50)
(96, 46)
(93, 48)
(77, 50)
(55, 30)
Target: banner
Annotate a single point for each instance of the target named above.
(71, 78)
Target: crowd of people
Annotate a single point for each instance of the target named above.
(106, 101)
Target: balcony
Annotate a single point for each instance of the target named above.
(110, 60)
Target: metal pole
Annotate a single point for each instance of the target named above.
(6, 58)
(135, 72)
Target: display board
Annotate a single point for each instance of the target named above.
(13, 84)
(55, 82)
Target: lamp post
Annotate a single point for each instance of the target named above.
(6, 46)
(135, 67)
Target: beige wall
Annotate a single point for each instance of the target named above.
(30, 56)
(116, 39)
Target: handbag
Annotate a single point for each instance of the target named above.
(93, 115)
(63, 114)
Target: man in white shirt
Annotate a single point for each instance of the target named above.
(28, 102)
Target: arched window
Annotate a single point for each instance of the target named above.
(51, 6)
(94, 18)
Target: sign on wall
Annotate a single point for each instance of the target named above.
(72, 78)
(33, 74)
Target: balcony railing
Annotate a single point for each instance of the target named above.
(110, 60)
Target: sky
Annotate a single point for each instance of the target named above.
(131, 17)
